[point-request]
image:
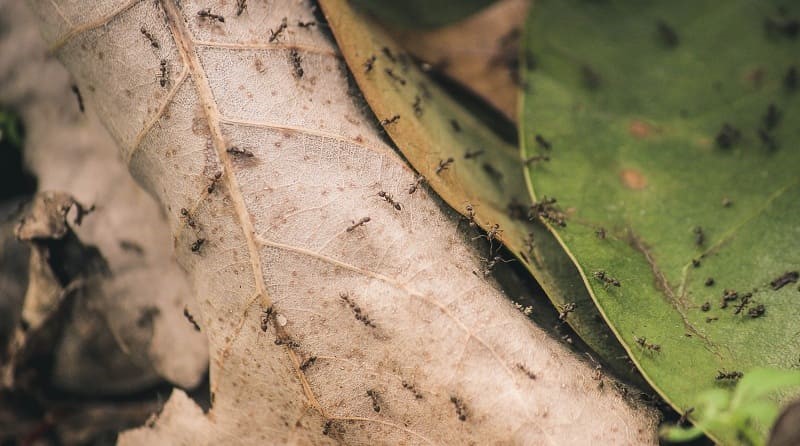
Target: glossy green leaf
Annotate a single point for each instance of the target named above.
(484, 173)
(422, 13)
(674, 127)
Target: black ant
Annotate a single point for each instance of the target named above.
(417, 106)
(198, 244)
(148, 36)
(647, 345)
(266, 314)
(388, 53)
(214, 182)
(162, 76)
(591, 80)
(294, 55)
(373, 395)
(190, 318)
(543, 143)
(565, 310)
(461, 408)
(455, 125)
(390, 73)
(357, 224)
(416, 184)
(785, 279)
(207, 14)
(234, 150)
(391, 120)
(728, 295)
(743, 303)
(489, 264)
(276, 33)
(546, 210)
(757, 311)
(605, 278)
(699, 236)
(492, 234)
(473, 154)
(443, 165)
(600, 233)
(667, 34)
(772, 117)
(388, 198)
(241, 5)
(308, 363)
(733, 376)
(306, 25)
(369, 63)
(727, 136)
(471, 216)
(535, 159)
(190, 221)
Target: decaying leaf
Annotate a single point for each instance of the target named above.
(337, 307)
(481, 52)
(126, 329)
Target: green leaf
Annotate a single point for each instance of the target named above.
(422, 13)
(634, 98)
(484, 173)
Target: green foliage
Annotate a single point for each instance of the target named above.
(422, 13)
(674, 130)
(738, 410)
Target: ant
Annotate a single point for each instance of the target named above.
(647, 345)
(266, 314)
(493, 234)
(565, 310)
(276, 33)
(241, 5)
(535, 159)
(386, 196)
(306, 25)
(148, 36)
(373, 394)
(543, 143)
(473, 154)
(369, 63)
(443, 165)
(190, 318)
(207, 14)
(391, 120)
(294, 55)
(390, 73)
(461, 408)
(356, 224)
(456, 126)
(772, 117)
(234, 150)
(699, 236)
(667, 34)
(727, 136)
(417, 106)
(163, 73)
(491, 263)
(600, 233)
(603, 277)
(198, 244)
(214, 182)
(308, 363)
(471, 216)
(734, 375)
(416, 184)
(743, 303)
(388, 53)
(189, 219)
(545, 210)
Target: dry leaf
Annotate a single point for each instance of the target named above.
(134, 315)
(380, 334)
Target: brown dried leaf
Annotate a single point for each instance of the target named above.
(381, 334)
